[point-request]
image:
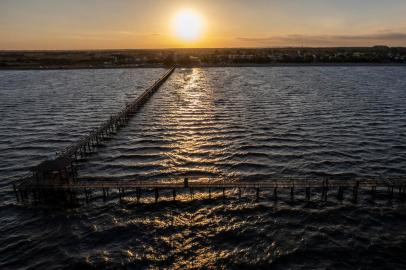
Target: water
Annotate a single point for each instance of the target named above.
(217, 123)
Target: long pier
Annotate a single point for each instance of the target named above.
(56, 180)
(115, 122)
(72, 192)
(61, 170)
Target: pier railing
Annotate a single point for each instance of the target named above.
(114, 122)
(340, 189)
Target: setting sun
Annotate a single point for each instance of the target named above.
(188, 25)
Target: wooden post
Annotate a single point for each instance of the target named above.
(186, 182)
(191, 193)
(224, 193)
(340, 194)
(71, 196)
(209, 192)
(275, 194)
(16, 193)
(40, 194)
(390, 189)
(257, 193)
(373, 193)
(174, 194)
(138, 194)
(307, 194)
(34, 194)
(156, 195)
(355, 192)
(72, 169)
(292, 194)
(87, 196)
(322, 190)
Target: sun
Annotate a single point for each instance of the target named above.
(187, 25)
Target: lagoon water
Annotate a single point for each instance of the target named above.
(216, 123)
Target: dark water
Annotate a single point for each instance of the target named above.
(220, 123)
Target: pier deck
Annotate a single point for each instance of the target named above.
(324, 187)
(59, 176)
(62, 167)
(286, 183)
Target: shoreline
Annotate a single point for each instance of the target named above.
(209, 66)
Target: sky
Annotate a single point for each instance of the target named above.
(127, 24)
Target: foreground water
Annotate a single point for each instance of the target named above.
(218, 123)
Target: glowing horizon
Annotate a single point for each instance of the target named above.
(102, 24)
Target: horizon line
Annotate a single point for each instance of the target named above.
(195, 48)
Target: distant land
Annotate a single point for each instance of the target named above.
(201, 57)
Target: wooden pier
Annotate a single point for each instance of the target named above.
(61, 170)
(310, 190)
(57, 180)
(115, 122)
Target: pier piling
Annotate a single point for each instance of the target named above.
(308, 194)
(138, 195)
(275, 194)
(292, 195)
(156, 195)
(355, 192)
(67, 191)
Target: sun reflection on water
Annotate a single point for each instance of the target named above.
(191, 117)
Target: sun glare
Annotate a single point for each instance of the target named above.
(188, 25)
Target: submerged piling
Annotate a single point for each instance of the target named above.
(156, 195)
(292, 195)
(308, 194)
(355, 192)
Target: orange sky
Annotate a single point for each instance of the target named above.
(102, 24)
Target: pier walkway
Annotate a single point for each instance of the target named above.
(57, 179)
(62, 168)
(116, 121)
(84, 189)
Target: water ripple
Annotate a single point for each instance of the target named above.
(226, 123)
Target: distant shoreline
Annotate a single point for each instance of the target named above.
(209, 66)
(203, 58)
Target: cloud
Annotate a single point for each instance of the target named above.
(384, 36)
(108, 35)
(388, 38)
